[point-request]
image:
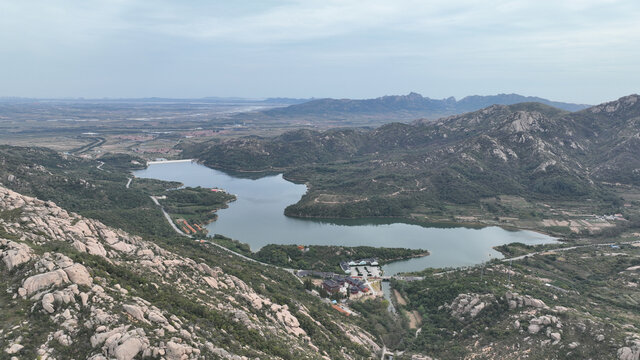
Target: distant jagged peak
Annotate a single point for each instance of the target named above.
(414, 96)
(410, 97)
(515, 118)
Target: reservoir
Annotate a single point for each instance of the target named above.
(257, 218)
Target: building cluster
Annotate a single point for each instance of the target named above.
(363, 267)
(618, 217)
(353, 283)
(346, 285)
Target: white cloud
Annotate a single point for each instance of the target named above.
(399, 38)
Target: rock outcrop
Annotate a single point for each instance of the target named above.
(89, 305)
(517, 301)
(43, 281)
(14, 254)
(631, 351)
(468, 306)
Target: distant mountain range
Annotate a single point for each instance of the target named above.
(406, 107)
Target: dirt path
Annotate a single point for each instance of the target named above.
(166, 215)
(567, 248)
(414, 319)
(399, 298)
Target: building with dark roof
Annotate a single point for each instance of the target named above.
(331, 286)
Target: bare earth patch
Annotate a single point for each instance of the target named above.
(399, 298)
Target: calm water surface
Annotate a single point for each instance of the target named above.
(257, 218)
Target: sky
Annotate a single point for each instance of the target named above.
(582, 51)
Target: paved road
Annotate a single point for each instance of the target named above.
(169, 218)
(567, 248)
(98, 141)
(128, 183)
(292, 271)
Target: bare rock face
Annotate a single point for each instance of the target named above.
(534, 328)
(523, 121)
(47, 303)
(176, 351)
(128, 349)
(517, 301)
(631, 351)
(538, 323)
(14, 349)
(157, 317)
(114, 318)
(135, 311)
(95, 248)
(624, 102)
(100, 337)
(211, 281)
(14, 254)
(78, 274)
(468, 306)
(42, 281)
(62, 338)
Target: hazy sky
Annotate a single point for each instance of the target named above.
(579, 50)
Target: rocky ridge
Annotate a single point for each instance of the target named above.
(545, 153)
(50, 258)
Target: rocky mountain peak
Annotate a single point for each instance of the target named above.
(414, 96)
(624, 103)
(524, 121)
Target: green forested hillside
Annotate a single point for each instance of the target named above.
(529, 149)
(143, 292)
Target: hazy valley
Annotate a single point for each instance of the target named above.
(91, 267)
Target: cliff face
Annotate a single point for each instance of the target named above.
(73, 287)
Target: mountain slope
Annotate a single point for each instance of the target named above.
(528, 149)
(87, 290)
(571, 304)
(72, 287)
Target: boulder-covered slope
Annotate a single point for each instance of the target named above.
(574, 304)
(71, 287)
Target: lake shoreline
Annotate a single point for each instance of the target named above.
(405, 219)
(257, 219)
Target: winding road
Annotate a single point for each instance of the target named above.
(97, 142)
(166, 215)
(567, 248)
